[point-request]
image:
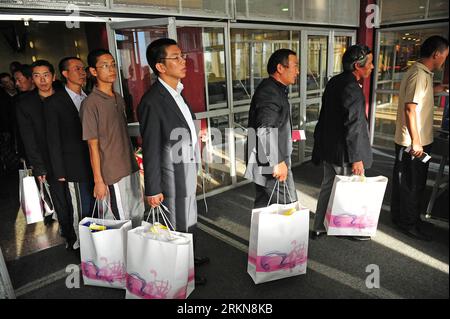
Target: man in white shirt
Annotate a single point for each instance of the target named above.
(69, 154)
(415, 116)
(169, 140)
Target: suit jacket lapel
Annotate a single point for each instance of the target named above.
(172, 103)
(69, 100)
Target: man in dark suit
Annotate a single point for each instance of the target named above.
(169, 140)
(69, 154)
(270, 133)
(341, 136)
(31, 121)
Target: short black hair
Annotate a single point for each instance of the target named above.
(64, 64)
(14, 65)
(156, 52)
(280, 56)
(43, 63)
(4, 75)
(25, 69)
(433, 44)
(94, 55)
(356, 54)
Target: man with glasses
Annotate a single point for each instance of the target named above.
(341, 136)
(105, 128)
(32, 127)
(270, 121)
(169, 140)
(69, 154)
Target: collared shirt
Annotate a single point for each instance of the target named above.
(183, 108)
(103, 118)
(416, 87)
(76, 98)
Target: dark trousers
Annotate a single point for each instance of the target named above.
(63, 207)
(408, 185)
(62, 200)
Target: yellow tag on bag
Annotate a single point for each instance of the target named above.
(289, 212)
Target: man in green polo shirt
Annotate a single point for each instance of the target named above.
(414, 130)
(103, 117)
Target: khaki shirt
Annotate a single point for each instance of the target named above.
(103, 118)
(416, 87)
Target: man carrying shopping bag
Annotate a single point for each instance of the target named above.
(169, 140)
(270, 130)
(341, 136)
(105, 129)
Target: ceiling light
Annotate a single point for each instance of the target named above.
(285, 9)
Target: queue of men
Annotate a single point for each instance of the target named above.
(78, 141)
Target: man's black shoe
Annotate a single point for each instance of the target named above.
(69, 244)
(360, 238)
(416, 234)
(425, 226)
(48, 220)
(316, 234)
(198, 261)
(200, 281)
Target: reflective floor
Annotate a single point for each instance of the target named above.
(18, 239)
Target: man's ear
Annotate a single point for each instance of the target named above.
(280, 68)
(93, 71)
(160, 67)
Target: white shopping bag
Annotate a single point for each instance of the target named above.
(278, 242)
(160, 262)
(103, 253)
(23, 173)
(354, 206)
(30, 200)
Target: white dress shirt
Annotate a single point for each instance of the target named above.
(183, 108)
(76, 98)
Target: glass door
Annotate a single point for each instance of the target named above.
(315, 74)
(131, 39)
(206, 92)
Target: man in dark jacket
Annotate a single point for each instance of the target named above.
(69, 154)
(341, 137)
(31, 121)
(270, 132)
(170, 141)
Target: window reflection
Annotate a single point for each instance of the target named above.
(250, 52)
(341, 43)
(215, 154)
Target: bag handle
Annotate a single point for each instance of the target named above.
(286, 190)
(164, 216)
(104, 202)
(47, 189)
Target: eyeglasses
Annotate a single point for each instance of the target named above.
(107, 66)
(179, 58)
(46, 75)
(295, 66)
